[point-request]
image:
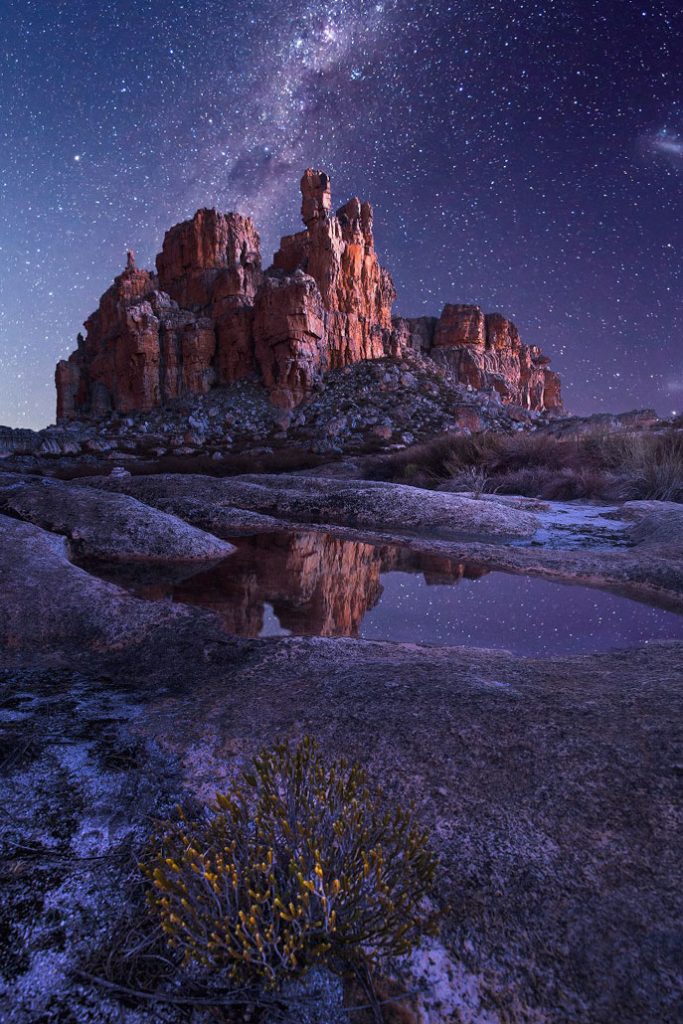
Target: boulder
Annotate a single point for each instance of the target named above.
(45, 600)
(107, 526)
(656, 522)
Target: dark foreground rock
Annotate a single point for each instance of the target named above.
(46, 601)
(551, 786)
(551, 789)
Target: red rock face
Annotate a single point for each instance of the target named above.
(210, 258)
(289, 328)
(485, 351)
(235, 342)
(316, 196)
(143, 349)
(70, 386)
(552, 396)
(460, 325)
(210, 316)
(117, 366)
(338, 252)
(412, 335)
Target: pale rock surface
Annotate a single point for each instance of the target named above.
(111, 527)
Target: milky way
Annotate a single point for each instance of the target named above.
(526, 156)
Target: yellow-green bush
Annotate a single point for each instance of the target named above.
(302, 862)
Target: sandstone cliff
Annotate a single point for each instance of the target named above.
(211, 316)
(483, 350)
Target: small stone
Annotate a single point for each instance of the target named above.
(382, 432)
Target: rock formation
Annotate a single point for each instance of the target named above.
(483, 350)
(210, 316)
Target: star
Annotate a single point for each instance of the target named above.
(504, 167)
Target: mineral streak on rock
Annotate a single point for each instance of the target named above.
(289, 328)
(210, 316)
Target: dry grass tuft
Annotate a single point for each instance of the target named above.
(617, 466)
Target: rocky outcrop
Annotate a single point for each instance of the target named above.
(327, 301)
(338, 252)
(485, 351)
(210, 316)
(206, 261)
(117, 364)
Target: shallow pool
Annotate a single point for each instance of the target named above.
(518, 613)
(315, 584)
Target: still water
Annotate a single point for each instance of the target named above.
(314, 584)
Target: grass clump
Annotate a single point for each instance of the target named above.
(647, 466)
(612, 466)
(301, 863)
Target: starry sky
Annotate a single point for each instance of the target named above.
(523, 155)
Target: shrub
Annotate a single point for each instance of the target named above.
(473, 479)
(300, 863)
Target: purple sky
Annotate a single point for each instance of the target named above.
(526, 156)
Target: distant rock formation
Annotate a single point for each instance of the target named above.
(484, 350)
(210, 316)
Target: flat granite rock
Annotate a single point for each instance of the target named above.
(111, 527)
(357, 503)
(656, 522)
(46, 602)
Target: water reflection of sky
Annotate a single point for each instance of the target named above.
(518, 613)
(316, 584)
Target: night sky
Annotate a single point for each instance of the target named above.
(525, 156)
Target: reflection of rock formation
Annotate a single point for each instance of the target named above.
(317, 584)
(438, 570)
